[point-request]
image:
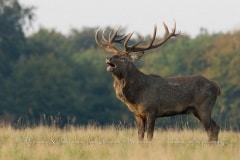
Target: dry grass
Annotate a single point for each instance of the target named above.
(111, 143)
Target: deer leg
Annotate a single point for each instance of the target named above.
(150, 127)
(215, 130)
(209, 124)
(141, 127)
(212, 129)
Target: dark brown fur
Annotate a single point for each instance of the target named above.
(150, 96)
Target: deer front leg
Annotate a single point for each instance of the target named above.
(141, 127)
(150, 127)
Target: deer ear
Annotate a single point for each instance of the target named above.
(136, 55)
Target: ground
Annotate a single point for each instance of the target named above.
(113, 143)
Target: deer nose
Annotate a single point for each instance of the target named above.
(108, 59)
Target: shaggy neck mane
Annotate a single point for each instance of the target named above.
(130, 85)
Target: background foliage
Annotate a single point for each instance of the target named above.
(52, 78)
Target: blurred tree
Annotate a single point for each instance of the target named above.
(72, 87)
(13, 18)
(81, 40)
(45, 42)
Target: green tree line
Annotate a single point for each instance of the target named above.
(52, 78)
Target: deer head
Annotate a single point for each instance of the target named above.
(118, 63)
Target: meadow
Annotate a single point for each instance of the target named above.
(108, 143)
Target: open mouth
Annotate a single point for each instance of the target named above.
(110, 66)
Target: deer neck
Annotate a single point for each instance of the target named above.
(131, 74)
(130, 85)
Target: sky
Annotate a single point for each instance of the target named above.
(137, 15)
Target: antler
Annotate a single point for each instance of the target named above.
(107, 45)
(136, 48)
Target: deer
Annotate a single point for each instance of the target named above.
(151, 96)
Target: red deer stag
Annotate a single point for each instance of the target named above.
(151, 96)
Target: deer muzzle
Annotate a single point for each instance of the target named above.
(110, 65)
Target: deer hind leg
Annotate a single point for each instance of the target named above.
(141, 127)
(215, 131)
(212, 128)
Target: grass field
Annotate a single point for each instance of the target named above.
(113, 144)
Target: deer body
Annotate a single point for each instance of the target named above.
(151, 96)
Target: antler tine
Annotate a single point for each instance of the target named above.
(154, 36)
(109, 36)
(137, 43)
(166, 36)
(97, 40)
(166, 29)
(114, 34)
(115, 37)
(120, 38)
(126, 41)
(105, 41)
